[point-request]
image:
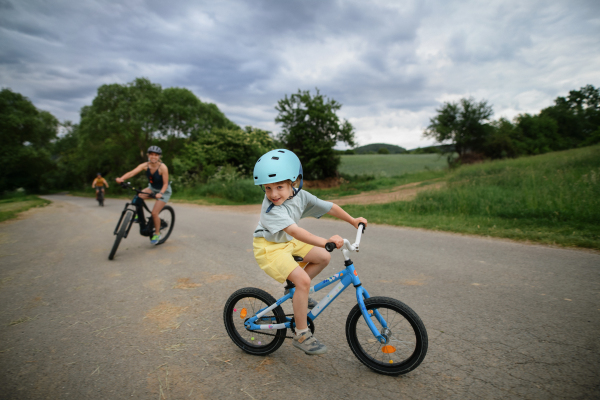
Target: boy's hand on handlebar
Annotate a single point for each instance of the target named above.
(339, 242)
(359, 220)
(119, 180)
(158, 195)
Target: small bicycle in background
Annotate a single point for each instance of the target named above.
(136, 209)
(100, 196)
(384, 334)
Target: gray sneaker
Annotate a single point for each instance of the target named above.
(312, 303)
(309, 344)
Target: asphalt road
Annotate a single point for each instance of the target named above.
(505, 320)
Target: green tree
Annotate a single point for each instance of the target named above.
(26, 134)
(221, 148)
(463, 123)
(577, 117)
(501, 143)
(537, 134)
(311, 128)
(124, 120)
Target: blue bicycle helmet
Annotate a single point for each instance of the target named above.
(276, 166)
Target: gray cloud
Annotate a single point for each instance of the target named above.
(390, 64)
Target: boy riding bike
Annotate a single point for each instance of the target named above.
(99, 183)
(278, 238)
(158, 177)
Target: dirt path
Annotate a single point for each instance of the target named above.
(399, 193)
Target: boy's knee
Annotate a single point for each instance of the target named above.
(154, 214)
(324, 257)
(303, 283)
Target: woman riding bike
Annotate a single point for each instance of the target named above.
(99, 183)
(158, 177)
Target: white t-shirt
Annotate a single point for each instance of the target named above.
(302, 205)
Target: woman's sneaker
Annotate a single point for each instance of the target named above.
(309, 344)
(155, 239)
(312, 303)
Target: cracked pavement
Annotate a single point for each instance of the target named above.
(505, 320)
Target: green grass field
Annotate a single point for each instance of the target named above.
(10, 207)
(552, 198)
(381, 165)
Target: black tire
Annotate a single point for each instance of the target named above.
(121, 232)
(101, 198)
(253, 342)
(167, 222)
(408, 337)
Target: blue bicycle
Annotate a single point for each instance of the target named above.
(384, 334)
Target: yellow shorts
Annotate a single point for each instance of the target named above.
(277, 259)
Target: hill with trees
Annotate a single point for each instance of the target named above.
(376, 148)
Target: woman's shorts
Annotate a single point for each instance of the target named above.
(166, 196)
(277, 259)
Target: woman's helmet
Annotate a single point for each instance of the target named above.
(276, 166)
(154, 149)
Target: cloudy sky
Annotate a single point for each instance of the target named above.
(389, 63)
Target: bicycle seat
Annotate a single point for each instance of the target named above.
(298, 259)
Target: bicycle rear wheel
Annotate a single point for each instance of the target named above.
(244, 304)
(122, 231)
(407, 338)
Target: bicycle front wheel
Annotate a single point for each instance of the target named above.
(406, 344)
(167, 222)
(244, 304)
(122, 231)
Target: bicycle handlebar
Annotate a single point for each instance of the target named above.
(352, 247)
(127, 185)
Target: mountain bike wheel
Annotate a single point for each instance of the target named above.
(407, 344)
(244, 304)
(122, 231)
(167, 222)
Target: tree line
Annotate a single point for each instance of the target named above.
(573, 121)
(199, 142)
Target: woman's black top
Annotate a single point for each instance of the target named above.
(155, 179)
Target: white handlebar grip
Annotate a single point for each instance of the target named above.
(358, 235)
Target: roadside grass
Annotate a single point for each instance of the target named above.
(12, 205)
(552, 198)
(382, 165)
(235, 192)
(366, 183)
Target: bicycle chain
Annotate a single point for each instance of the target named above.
(271, 334)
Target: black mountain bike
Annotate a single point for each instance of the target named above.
(136, 209)
(100, 197)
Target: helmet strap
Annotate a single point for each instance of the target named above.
(301, 175)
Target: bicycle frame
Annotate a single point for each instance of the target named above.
(137, 209)
(344, 278)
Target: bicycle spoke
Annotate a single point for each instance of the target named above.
(398, 347)
(252, 306)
